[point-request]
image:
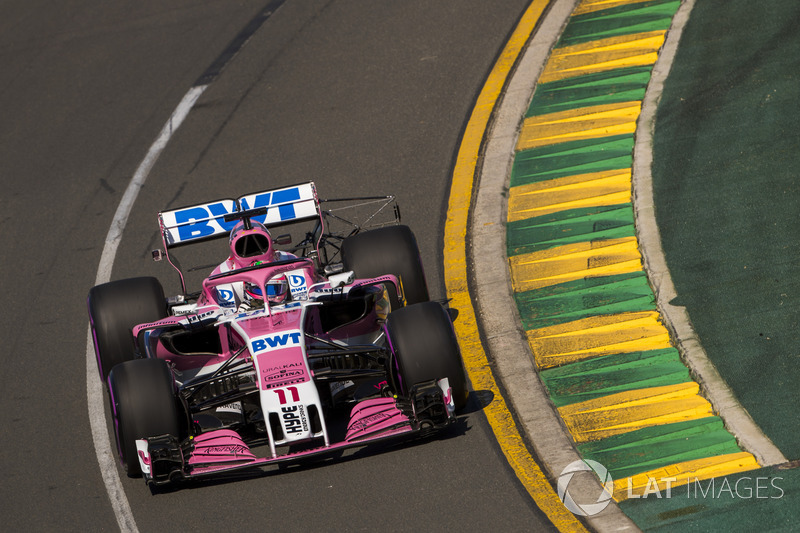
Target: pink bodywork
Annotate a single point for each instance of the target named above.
(224, 450)
(276, 346)
(254, 323)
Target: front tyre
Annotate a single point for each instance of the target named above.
(114, 309)
(389, 250)
(425, 348)
(143, 404)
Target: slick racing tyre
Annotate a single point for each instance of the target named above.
(143, 403)
(114, 308)
(389, 250)
(425, 348)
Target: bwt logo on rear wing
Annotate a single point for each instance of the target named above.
(204, 221)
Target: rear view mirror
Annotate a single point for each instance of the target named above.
(339, 280)
(283, 239)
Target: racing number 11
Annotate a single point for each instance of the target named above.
(282, 394)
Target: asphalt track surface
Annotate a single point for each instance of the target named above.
(361, 97)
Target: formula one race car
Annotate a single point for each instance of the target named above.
(328, 344)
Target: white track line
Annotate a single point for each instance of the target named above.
(106, 456)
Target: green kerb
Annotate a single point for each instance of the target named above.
(611, 374)
(568, 227)
(612, 87)
(572, 158)
(622, 20)
(583, 298)
(659, 446)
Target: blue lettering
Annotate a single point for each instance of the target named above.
(195, 222)
(281, 340)
(261, 200)
(198, 229)
(275, 341)
(219, 212)
(286, 211)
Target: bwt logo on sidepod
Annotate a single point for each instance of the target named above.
(199, 227)
(277, 340)
(225, 297)
(297, 285)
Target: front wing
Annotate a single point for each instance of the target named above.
(163, 459)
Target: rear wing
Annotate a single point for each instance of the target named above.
(207, 221)
(340, 219)
(211, 220)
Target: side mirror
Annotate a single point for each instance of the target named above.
(283, 239)
(338, 280)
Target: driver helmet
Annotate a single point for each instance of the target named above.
(250, 245)
(277, 291)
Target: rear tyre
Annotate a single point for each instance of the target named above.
(114, 309)
(425, 348)
(389, 250)
(143, 404)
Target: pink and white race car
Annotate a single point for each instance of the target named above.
(333, 344)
